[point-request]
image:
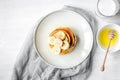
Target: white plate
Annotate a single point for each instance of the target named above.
(80, 27)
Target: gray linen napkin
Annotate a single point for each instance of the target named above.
(30, 67)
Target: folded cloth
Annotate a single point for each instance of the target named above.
(30, 67)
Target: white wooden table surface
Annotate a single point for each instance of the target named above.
(17, 18)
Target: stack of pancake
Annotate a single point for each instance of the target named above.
(62, 40)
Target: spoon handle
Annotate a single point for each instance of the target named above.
(102, 68)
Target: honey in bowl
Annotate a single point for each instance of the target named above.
(104, 39)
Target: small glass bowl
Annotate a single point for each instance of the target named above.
(102, 15)
(116, 47)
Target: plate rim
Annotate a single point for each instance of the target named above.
(35, 46)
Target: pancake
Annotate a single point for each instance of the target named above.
(69, 38)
